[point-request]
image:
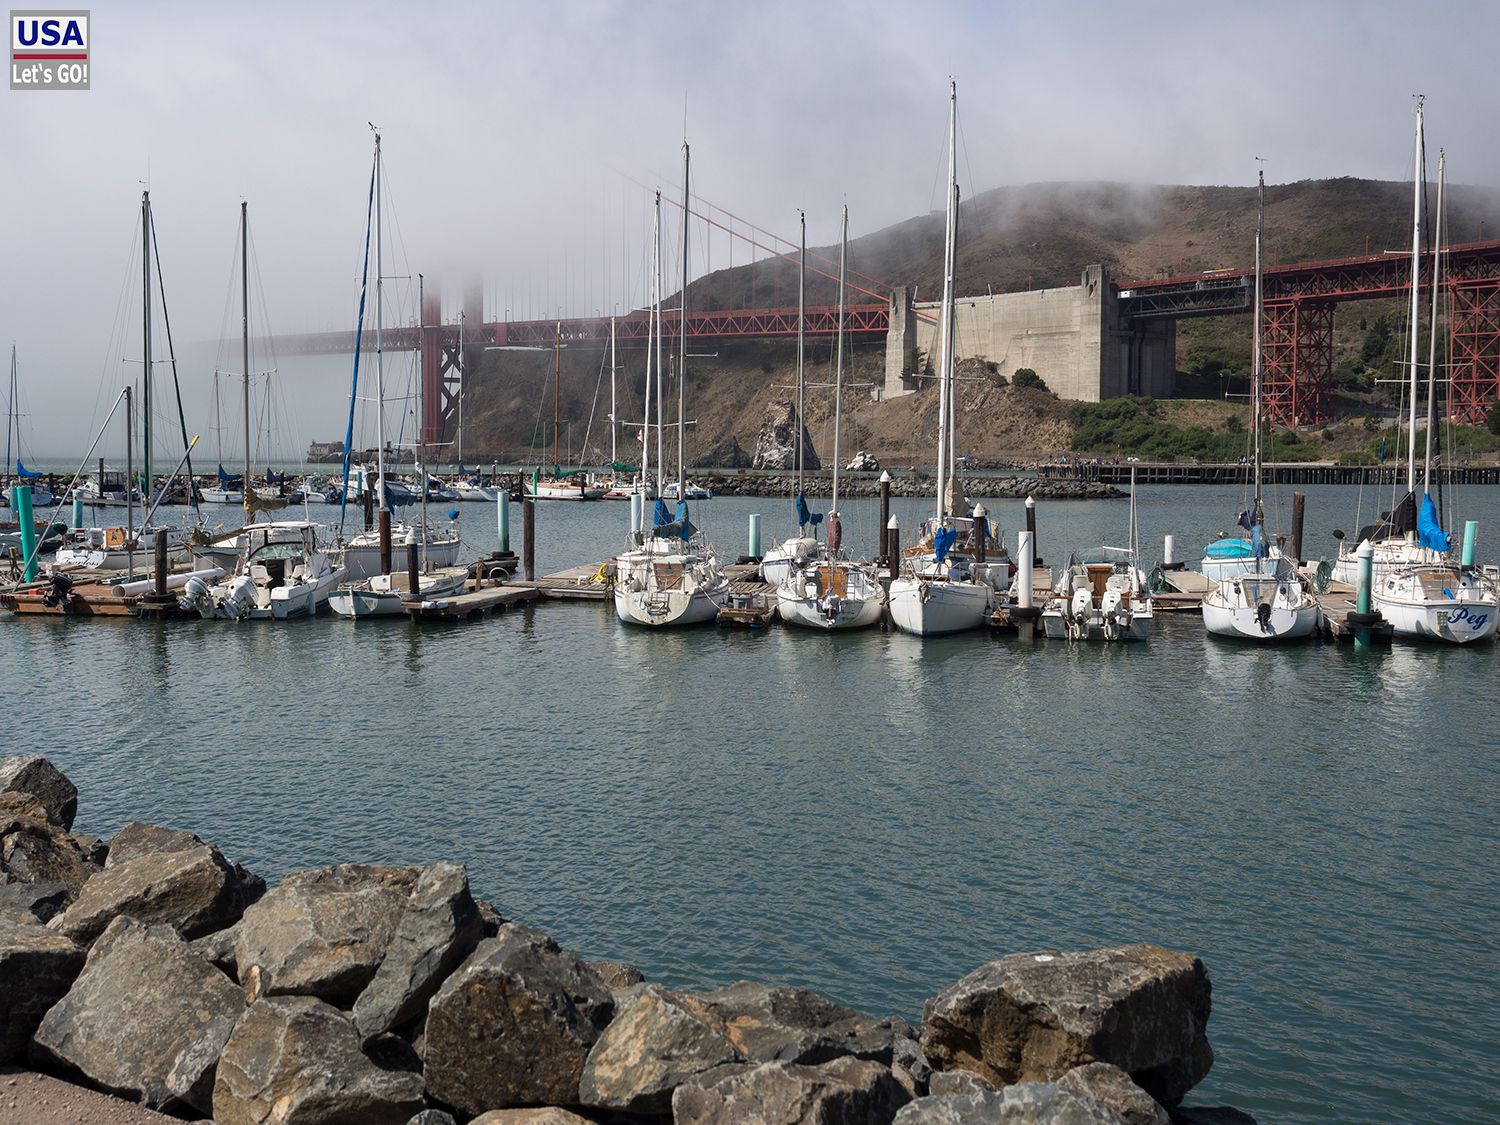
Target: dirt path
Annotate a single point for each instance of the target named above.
(28, 1098)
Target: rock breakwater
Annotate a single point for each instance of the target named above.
(152, 967)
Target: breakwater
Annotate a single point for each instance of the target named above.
(152, 966)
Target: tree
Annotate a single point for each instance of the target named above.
(1026, 377)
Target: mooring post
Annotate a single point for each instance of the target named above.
(1471, 537)
(1168, 549)
(754, 546)
(502, 520)
(1366, 556)
(1025, 613)
(885, 501)
(528, 538)
(981, 533)
(637, 509)
(413, 567)
(1299, 510)
(20, 503)
(369, 499)
(893, 546)
(77, 509)
(385, 540)
(161, 562)
(1031, 527)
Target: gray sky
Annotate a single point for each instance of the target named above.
(517, 138)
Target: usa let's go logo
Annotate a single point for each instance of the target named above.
(49, 50)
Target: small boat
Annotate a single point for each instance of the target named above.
(472, 491)
(107, 490)
(1266, 605)
(1440, 603)
(117, 548)
(1099, 601)
(384, 594)
(579, 486)
(284, 574)
(692, 491)
(361, 555)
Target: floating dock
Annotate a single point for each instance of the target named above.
(472, 604)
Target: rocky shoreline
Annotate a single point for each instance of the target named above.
(724, 483)
(151, 967)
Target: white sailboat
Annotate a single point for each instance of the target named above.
(1422, 594)
(368, 553)
(563, 484)
(831, 591)
(937, 594)
(672, 575)
(778, 564)
(41, 495)
(1266, 601)
(283, 571)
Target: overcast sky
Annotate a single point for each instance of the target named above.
(520, 140)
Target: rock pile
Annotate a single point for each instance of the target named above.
(907, 484)
(776, 445)
(153, 968)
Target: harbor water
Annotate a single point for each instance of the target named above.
(869, 815)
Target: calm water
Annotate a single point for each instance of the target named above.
(869, 815)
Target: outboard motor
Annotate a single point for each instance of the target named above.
(60, 591)
(240, 598)
(195, 596)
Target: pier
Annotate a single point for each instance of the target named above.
(1234, 472)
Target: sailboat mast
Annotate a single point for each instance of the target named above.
(10, 417)
(614, 424)
(838, 367)
(801, 337)
(421, 418)
(459, 439)
(944, 389)
(1412, 325)
(682, 341)
(1260, 232)
(245, 347)
(379, 343)
(1432, 326)
(556, 391)
(146, 339)
(661, 371)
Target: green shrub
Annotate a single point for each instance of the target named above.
(1026, 377)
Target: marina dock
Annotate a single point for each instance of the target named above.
(472, 604)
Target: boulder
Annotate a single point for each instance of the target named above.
(37, 967)
(192, 890)
(323, 932)
(910, 1065)
(776, 445)
(491, 918)
(863, 462)
(137, 839)
(432, 1117)
(217, 948)
(36, 848)
(39, 778)
(513, 1025)
(947, 1083)
(1029, 1103)
(616, 975)
(147, 1018)
(41, 900)
(541, 1115)
(1033, 1017)
(1112, 1086)
(438, 929)
(845, 1091)
(296, 1060)
(657, 1040)
(769, 1023)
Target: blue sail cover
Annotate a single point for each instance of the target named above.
(228, 480)
(1228, 549)
(25, 473)
(805, 517)
(1429, 532)
(942, 542)
(661, 515)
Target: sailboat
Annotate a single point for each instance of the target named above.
(671, 576)
(790, 554)
(1418, 591)
(1267, 601)
(563, 484)
(938, 593)
(830, 591)
(369, 553)
(282, 570)
(41, 495)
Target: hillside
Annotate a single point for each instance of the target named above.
(1011, 238)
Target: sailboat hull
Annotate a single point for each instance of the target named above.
(1458, 612)
(934, 607)
(662, 608)
(779, 562)
(362, 560)
(1245, 623)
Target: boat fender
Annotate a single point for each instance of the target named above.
(1364, 620)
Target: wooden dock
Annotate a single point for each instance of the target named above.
(1337, 609)
(471, 605)
(85, 599)
(593, 583)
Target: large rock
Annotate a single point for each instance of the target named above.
(513, 1025)
(776, 445)
(43, 901)
(295, 1060)
(37, 967)
(1030, 1103)
(194, 891)
(727, 454)
(137, 839)
(540, 1115)
(147, 1018)
(772, 1023)
(845, 1091)
(618, 975)
(657, 1041)
(1112, 1086)
(39, 778)
(323, 932)
(35, 847)
(439, 928)
(1034, 1016)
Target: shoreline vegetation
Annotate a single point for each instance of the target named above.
(152, 968)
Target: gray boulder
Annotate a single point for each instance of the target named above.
(772, 1023)
(217, 948)
(295, 1060)
(39, 778)
(618, 976)
(147, 1018)
(37, 967)
(1030, 1103)
(780, 431)
(657, 1040)
(540, 1115)
(438, 929)
(137, 839)
(35, 847)
(432, 1117)
(1112, 1086)
(948, 1083)
(1032, 1017)
(323, 932)
(41, 900)
(194, 891)
(513, 1025)
(846, 1091)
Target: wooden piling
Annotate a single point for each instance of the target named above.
(1299, 510)
(528, 538)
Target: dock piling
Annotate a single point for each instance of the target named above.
(981, 533)
(77, 509)
(20, 503)
(893, 546)
(413, 567)
(1025, 613)
(1167, 551)
(528, 538)
(1299, 511)
(637, 508)
(754, 546)
(502, 520)
(1471, 538)
(385, 540)
(160, 573)
(885, 505)
(1366, 556)
(1031, 527)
